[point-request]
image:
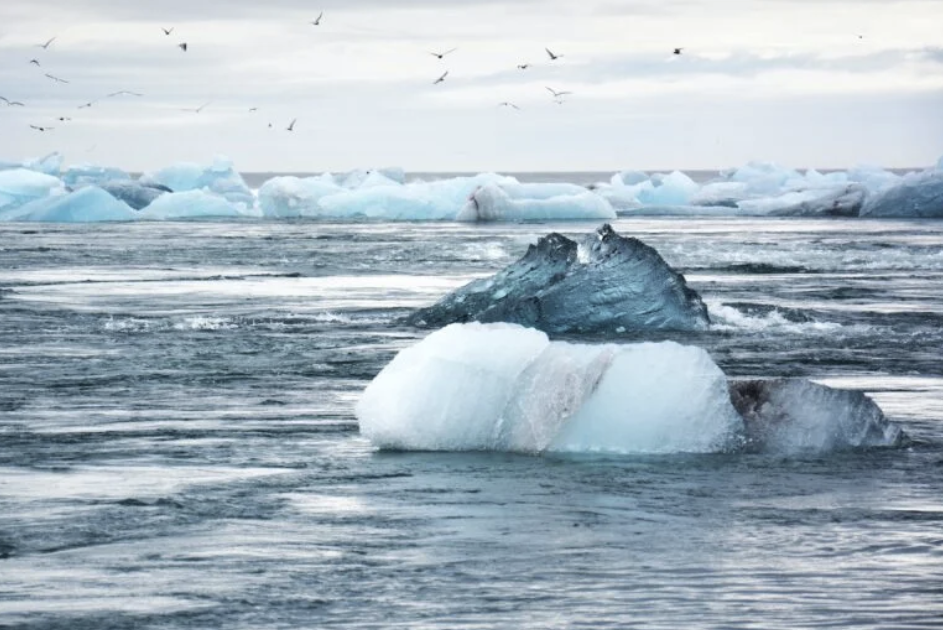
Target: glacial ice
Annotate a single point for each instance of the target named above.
(133, 193)
(192, 204)
(493, 202)
(609, 284)
(293, 197)
(20, 186)
(48, 165)
(502, 387)
(86, 205)
(80, 175)
(917, 196)
(220, 178)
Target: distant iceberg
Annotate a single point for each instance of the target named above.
(494, 202)
(192, 204)
(917, 196)
(20, 186)
(220, 178)
(48, 165)
(92, 175)
(86, 205)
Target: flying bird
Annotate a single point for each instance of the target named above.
(38, 128)
(11, 103)
(55, 78)
(182, 46)
(678, 51)
(46, 45)
(523, 66)
(291, 127)
(35, 62)
(123, 93)
(64, 119)
(317, 20)
(198, 109)
(443, 54)
(552, 56)
(87, 105)
(441, 79)
(253, 109)
(556, 94)
(508, 104)
(167, 31)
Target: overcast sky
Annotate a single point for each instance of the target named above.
(783, 80)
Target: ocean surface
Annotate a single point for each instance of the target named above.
(178, 447)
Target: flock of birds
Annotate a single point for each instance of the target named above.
(557, 95)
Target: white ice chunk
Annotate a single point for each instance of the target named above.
(79, 175)
(20, 186)
(48, 165)
(289, 197)
(507, 388)
(219, 178)
(629, 178)
(86, 205)
(492, 203)
(193, 204)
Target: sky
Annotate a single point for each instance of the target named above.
(805, 83)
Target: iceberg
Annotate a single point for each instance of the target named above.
(80, 175)
(48, 165)
(220, 178)
(133, 193)
(917, 196)
(193, 204)
(501, 387)
(494, 202)
(793, 416)
(608, 284)
(86, 205)
(20, 186)
(844, 201)
(292, 197)
(672, 189)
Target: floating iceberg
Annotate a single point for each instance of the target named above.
(505, 388)
(673, 189)
(608, 284)
(793, 416)
(133, 193)
(843, 201)
(86, 205)
(92, 175)
(918, 196)
(220, 178)
(498, 203)
(193, 204)
(292, 197)
(20, 186)
(48, 165)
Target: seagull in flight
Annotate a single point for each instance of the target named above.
(291, 127)
(46, 45)
(35, 62)
(123, 93)
(55, 78)
(198, 109)
(11, 103)
(441, 79)
(523, 66)
(64, 119)
(556, 94)
(443, 54)
(317, 20)
(182, 46)
(87, 105)
(508, 104)
(253, 109)
(553, 57)
(677, 51)
(167, 31)
(38, 128)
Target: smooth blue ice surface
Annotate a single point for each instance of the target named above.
(86, 205)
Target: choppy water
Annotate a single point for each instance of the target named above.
(178, 450)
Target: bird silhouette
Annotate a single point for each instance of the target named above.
(35, 62)
(63, 119)
(508, 104)
(523, 66)
(677, 51)
(10, 103)
(46, 45)
(317, 20)
(198, 109)
(87, 105)
(55, 78)
(291, 126)
(167, 31)
(550, 53)
(441, 79)
(253, 109)
(182, 46)
(556, 94)
(39, 128)
(123, 93)
(441, 55)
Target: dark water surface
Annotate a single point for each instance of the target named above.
(178, 447)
